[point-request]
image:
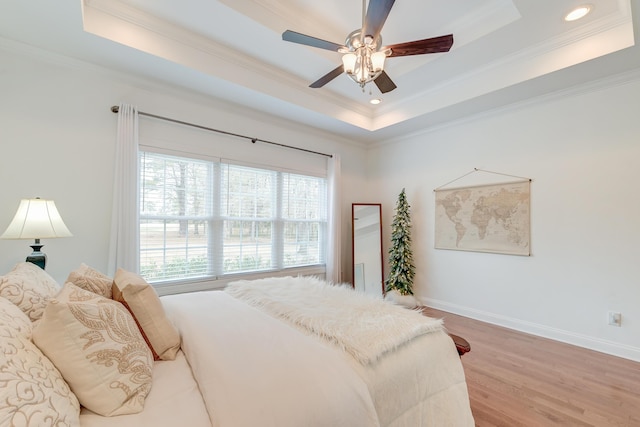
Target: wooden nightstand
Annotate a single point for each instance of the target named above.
(461, 344)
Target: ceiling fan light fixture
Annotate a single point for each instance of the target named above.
(349, 62)
(377, 61)
(364, 65)
(363, 60)
(363, 56)
(360, 74)
(577, 13)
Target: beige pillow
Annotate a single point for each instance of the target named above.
(32, 390)
(145, 306)
(11, 317)
(92, 280)
(29, 287)
(97, 347)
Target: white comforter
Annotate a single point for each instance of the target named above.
(362, 325)
(409, 363)
(174, 400)
(254, 370)
(240, 366)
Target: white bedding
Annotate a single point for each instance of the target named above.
(254, 370)
(174, 400)
(362, 325)
(240, 366)
(419, 383)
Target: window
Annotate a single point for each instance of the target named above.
(201, 218)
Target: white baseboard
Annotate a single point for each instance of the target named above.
(592, 343)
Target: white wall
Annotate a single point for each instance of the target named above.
(57, 137)
(582, 150)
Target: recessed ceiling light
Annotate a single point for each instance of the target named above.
(375, 101)
(577, 13)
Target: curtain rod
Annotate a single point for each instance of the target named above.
(115, 109)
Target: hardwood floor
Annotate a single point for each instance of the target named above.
(516, 379)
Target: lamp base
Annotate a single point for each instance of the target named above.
(38, 258)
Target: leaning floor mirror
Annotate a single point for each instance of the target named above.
(366, 229)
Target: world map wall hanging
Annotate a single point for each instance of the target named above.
(485, 218)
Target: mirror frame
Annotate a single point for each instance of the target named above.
(353, 244)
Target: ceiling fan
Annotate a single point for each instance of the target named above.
(363, 54)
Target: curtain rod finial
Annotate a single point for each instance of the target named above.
(115, 109)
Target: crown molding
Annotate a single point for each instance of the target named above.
(602, 84)
(604, 36)
(179, 45)
(156, 86)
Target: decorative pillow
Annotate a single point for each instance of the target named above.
(29, 287)
(13, 318)
(92, 280)
(32, 391)
(145, 306)
(97, 347)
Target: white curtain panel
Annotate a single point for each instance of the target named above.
(123, 249)
(334, 240)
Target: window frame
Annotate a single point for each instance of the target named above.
(216, 278)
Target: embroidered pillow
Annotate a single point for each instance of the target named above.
(29, 287)
(13, 318)
(97, 347)
(145, 306)
(92, 280)
(32, 390)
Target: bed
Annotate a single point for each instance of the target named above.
(273, 352)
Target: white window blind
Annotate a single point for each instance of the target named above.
(304, 219)
(175, 216)
(209, 218)
(249, 212)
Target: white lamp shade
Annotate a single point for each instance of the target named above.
(377, 61)
(349, 62)
(36, 219)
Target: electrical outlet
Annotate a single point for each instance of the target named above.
(615, 318)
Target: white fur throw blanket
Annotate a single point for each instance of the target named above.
(364, 326)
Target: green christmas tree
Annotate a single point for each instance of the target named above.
(400, 256)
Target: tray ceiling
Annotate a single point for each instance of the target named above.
(504, 51)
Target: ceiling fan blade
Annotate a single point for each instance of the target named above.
(384, 83)
(292, 36)
(420, 47)
(377, 13)
(327, 77)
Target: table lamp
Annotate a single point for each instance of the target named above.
(36, 219)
